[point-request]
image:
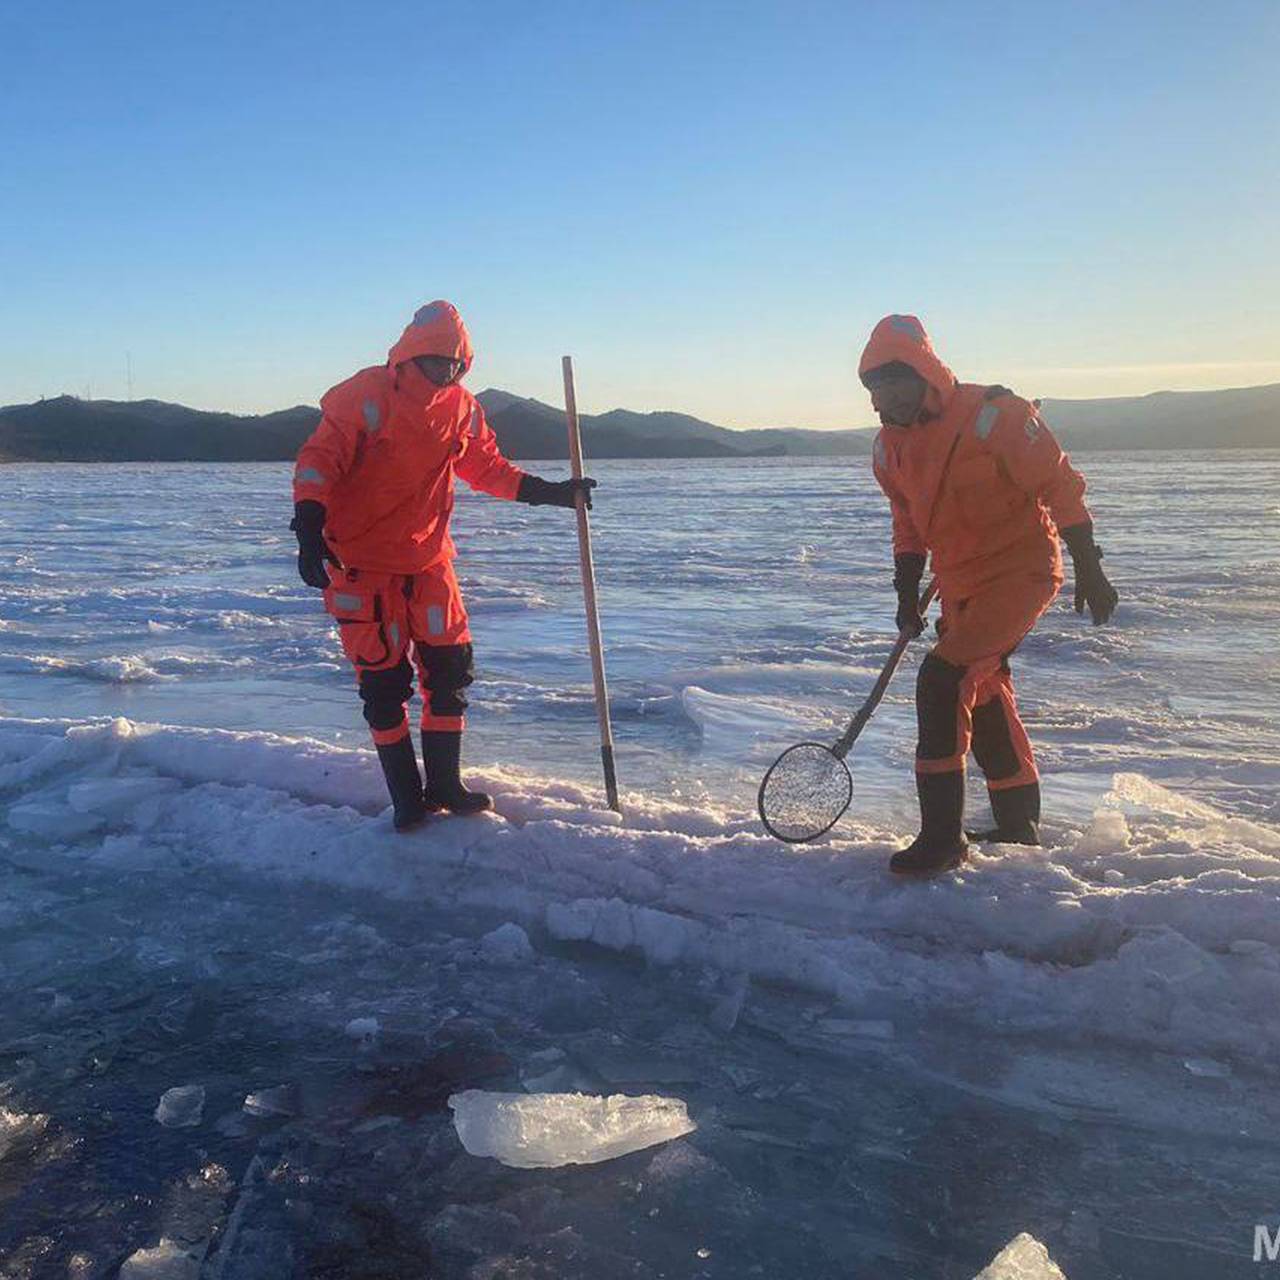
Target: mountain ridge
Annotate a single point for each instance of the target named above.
(66, 428)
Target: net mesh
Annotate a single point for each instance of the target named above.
(804, 793)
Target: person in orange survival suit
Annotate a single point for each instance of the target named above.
(974, 476)
(373, 492)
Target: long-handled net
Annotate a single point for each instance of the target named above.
(805, 793)
(809, 786)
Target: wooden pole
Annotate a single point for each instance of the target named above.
(589, 592)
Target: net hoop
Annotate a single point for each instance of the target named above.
(805, 793)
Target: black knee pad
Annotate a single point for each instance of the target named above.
(992, 741)
(937, 700)
(384, 694)
(446, 670)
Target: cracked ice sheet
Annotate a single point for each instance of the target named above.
(1157, 927)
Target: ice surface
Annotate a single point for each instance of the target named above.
(202, 890)
(547, 1130)
(181, 1107)
(1023, 1258)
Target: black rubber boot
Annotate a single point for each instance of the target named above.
(941, 844)
(400, 767)
(1017, 814)
(441, 758)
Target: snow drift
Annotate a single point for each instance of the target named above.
(1157, 926)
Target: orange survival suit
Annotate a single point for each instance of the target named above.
(382, 462)
(979, 482)
(373, 493)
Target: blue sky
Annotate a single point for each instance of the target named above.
(708, 205)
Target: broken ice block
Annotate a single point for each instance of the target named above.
(169, 1260)
(547, 1130)
(1023, 1258)
(181, 1107)
(282, 1100)
(507, 944)
(52, 821)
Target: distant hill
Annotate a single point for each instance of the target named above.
(1242, 418)
(67, 429)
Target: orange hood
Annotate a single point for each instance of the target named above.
(435, 330)
(903, 338)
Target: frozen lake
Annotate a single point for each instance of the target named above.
(887, 1080)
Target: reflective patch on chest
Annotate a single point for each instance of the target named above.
(986, 422)
(372, 415)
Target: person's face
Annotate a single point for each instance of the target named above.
(897, 394)
(440, 369)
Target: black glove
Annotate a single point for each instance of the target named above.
(1092, 587)
(908, 569)
(313, 550)
(538, 492)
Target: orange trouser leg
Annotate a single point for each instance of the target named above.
(968, 669)
(372, 622)
(1000, 743)
(442, 647)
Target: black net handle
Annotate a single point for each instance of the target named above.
(863, 713)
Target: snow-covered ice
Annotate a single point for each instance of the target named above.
(547, 1130)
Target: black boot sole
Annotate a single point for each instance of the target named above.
(994, 837)
(409, 822)
(461, 811)
(929, 873)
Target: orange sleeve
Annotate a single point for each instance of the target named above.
(1036, 463)
(327, 453)
(906, 537)
(481, 463)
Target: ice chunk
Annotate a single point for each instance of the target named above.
(507, 944)
(113, 798)
(724, 1016)
(181, 1107)
(547, 1130)
(736, 726)
(167, 1261)
(282, 1100)
(52, 821)
(1108, 833)
(1207, 1068)
(363, 1029)
(1023, 1258)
